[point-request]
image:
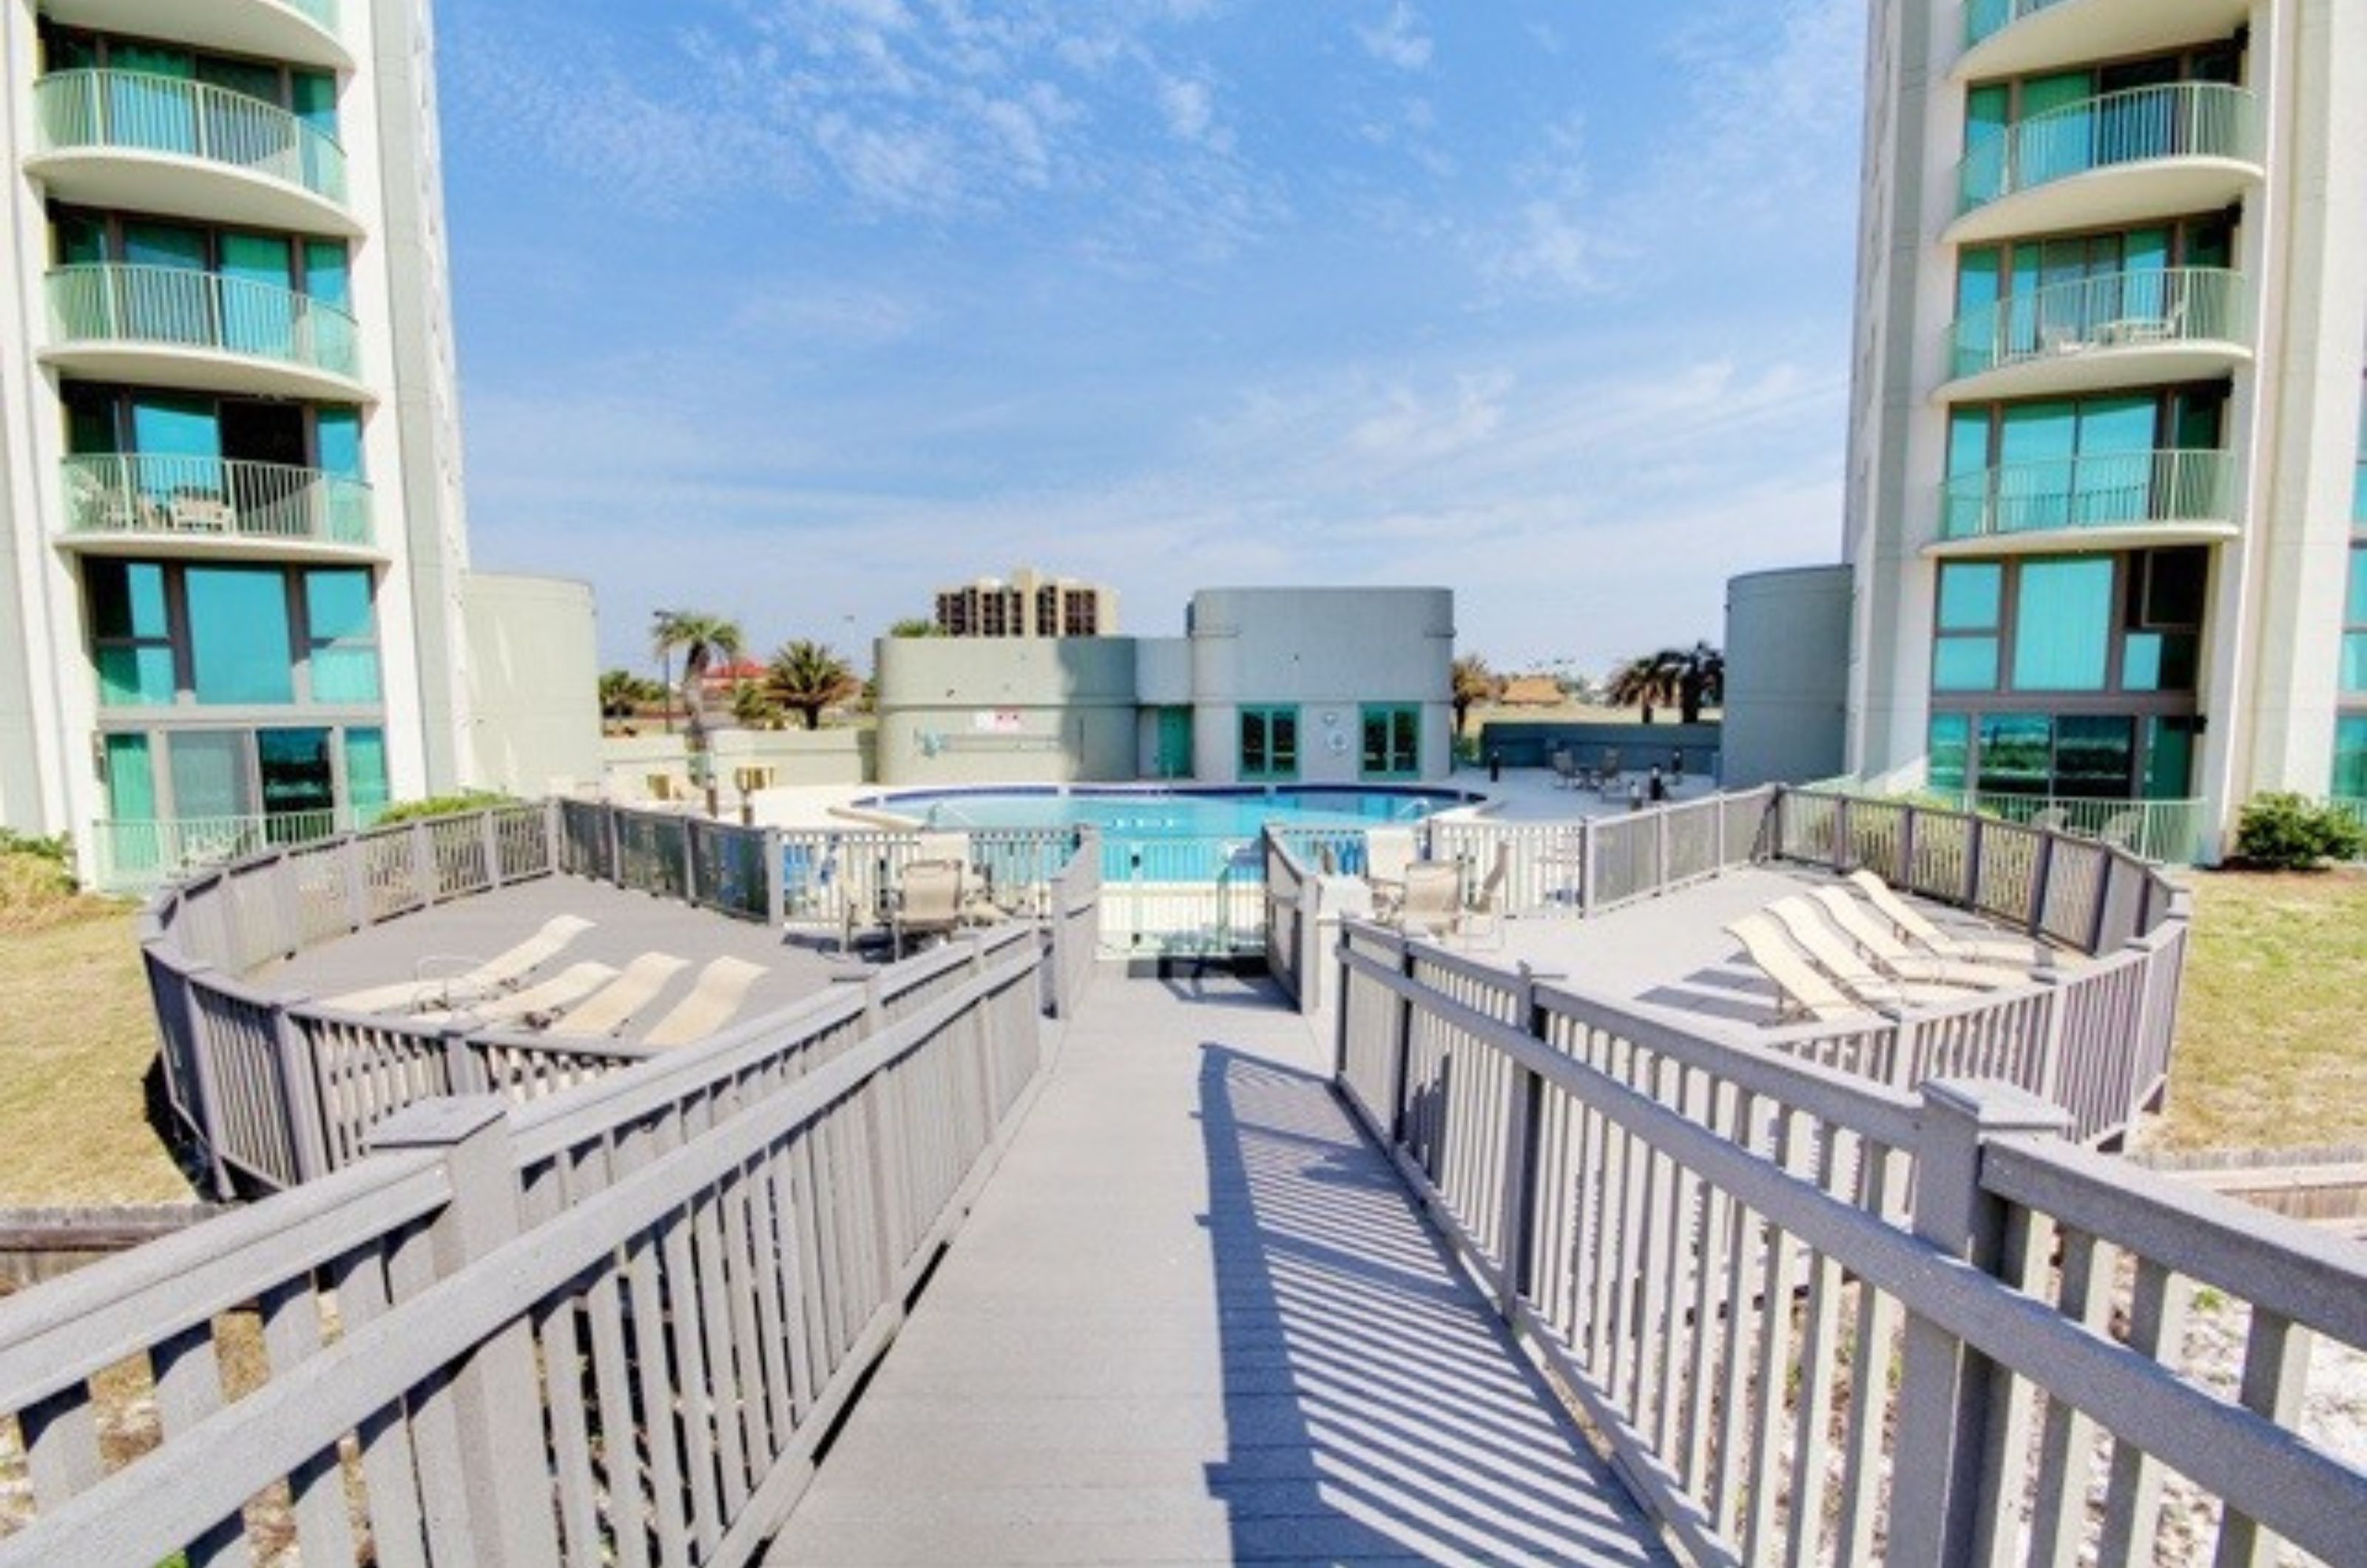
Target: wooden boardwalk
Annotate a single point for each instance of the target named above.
(1195, 1318)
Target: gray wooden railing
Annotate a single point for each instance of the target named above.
(1819, 1318)
(274, 1088)
(610, 1327)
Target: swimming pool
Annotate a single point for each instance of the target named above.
(1157, 813)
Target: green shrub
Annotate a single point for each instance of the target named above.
(2291, 833)
(58, 850)
(444, 806)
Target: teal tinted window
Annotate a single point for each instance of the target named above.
(1965, 664)
(2063, 628)
(1971, 595)
(131, 779)
(1951, 736)
(2354, 662)
(344, 638)
(238, 634)
(138, 676)
(131, 633)
(1269, 743)
(2358, 475)
(209, 775)
(2017, 753)
(1391, 740)
(2354, 611)
(2094, 755)
(326, 275)
(340, 437)
(294, 768)
(367, 789)
(2350, 756)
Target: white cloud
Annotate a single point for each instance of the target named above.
(1189, 106)
(1399, 38)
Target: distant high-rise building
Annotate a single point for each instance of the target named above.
(1029, 605)
(2107, 478)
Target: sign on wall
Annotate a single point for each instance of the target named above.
(996, 721)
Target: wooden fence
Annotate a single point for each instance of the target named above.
(611, 1327)
(274, 1090)
(1819, 1318)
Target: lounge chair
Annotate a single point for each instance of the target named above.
(927, 901)
(535, 1006)
(500, 972)
(2122, 830)
(1802, 992)
(1388, 852)
(722, 985)
(1836, 956)
(1486, 908)
(607, 1010)
(1433, 897)
(1876, 939)
(2050, 819)
(1911, 924)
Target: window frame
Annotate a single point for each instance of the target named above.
(1394, 765)
(1265, 718)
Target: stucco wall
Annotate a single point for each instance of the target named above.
(1787, 636)
(1327, 651)
(1029, 710)
(535, 683)
(793, 756)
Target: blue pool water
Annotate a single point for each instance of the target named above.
(1167, 814)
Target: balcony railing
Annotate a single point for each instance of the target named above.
(224, 497)
(133, 110)
(2101, 490)
(130, 855)
(1985, 17)
(2119, 309)
(2185, 120)
(2166, 831)
(187, 307)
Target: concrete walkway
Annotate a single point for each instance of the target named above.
(1195, 1318)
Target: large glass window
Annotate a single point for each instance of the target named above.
(343, 636)
(1950, 751)
(1972, 609)
(209, 775)
(131, 633)
(1392, 740)
(2350, 756)
(2063, 626)
(367, 789)
(295, 772)
(1269, 743)
(2354, 626)
(238, 634)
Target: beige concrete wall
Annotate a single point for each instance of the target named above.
(630, 762)
(534, 677)
(963, 710)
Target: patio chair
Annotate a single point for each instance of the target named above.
(2050, 819)
(1433, 897)
(721, 986)
(1802, 992)
(927, 901)
(1876, 939)
(1610, 772)
(503, 971)
(1388, 852)
(1565, 767)
(535, 1006)
(607, 1010)
(1910, 923)
(2122, 830)
(1834, 954)
(1484, 914)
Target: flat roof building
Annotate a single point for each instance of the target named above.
(1027, 605)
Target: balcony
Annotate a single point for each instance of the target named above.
(302, 32)
(2009, 38)
(2116, 330)
(137, 856)
(181, 327)
(2116, 159)
(2100, 502)
(124, 139)
(224, 506)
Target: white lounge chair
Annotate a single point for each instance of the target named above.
(1834, 954)
(1876, 939)
(927, 901)
(607, 1010)
(1911, 923)
(535, 1006)
(1388, 852)
(1802, 992)
(500, 972)
(1433, 897)
(723, 986)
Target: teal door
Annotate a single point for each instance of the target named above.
(1174, 743)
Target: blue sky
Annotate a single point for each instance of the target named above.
(792, 310)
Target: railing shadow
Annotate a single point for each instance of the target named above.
(1374, 1406)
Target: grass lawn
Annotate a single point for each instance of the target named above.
(75, 1039)
(2273, 1028)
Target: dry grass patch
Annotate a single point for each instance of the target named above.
(76, 1039)
(2271, 1047)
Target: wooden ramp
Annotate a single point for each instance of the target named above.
(1194, 1318)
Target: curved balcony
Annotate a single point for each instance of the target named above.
(180, 327)
(117, 503)
(2009, 38)
(2098, 502)
(2119, 329)
(302, 32)
(2117, 158)
(124, 139)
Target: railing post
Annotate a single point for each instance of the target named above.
(463, 1070)
(2041, 877)
(423, 863)
(1585, 867)
(777, 891)
(478, 1432)
(1661, 851)
(300, 1091)
(202, 1059)
(1946, 1451)
(358, 901)
(1339, 1013)
(1973, 845)
(1523, 1114)
(616, 826)
(1841, 835)
(1904, 872)
(690, 860)
(1900, 1073)
(1309, 959)
(489, 841)
(1778, 811)
(1401, 1047)
(2051, 1066)
(554, 835)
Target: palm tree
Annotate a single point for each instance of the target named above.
(1473, 682)
(701, 638)
(622, 692)
(1689, 677)
(1642, 683)
(807, 677)
(753, 706)
(1701, 679)
(914, 625)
